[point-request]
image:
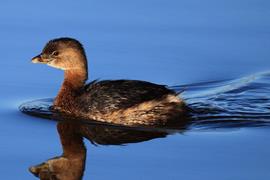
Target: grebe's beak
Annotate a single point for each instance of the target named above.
(37, 59)
(36, 170)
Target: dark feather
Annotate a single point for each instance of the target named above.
(119, 94)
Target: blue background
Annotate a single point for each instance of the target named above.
(169, 42)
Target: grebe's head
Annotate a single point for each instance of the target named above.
(63, 53)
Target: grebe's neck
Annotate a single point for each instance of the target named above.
(75, 78)
(74, 81)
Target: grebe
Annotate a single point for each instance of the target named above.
(125, 102)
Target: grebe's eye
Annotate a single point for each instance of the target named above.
(55, 53)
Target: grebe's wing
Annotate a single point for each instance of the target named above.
(123, 93)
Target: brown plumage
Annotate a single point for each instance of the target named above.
(126, 102)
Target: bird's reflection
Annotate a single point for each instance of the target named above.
(71, 164)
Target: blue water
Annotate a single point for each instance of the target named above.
(167, 42)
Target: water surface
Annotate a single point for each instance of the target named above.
(213, 107)
(176, 42)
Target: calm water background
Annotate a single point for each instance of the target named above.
(168, 42)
